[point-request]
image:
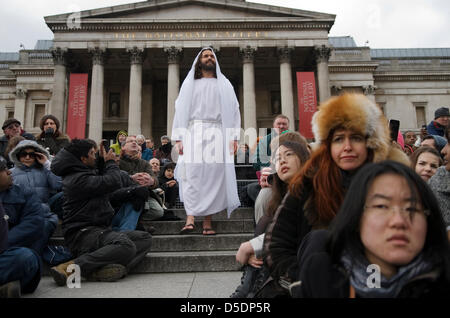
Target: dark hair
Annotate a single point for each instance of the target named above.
(198, 68)
(57, 133)
(80, 147)
(345, 228)
(423, 149)
(3, 165)
(12, 143)
(170, 165)
(279, 188)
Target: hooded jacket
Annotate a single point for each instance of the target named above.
(4, 140)
(117, 146)
(39, 177)
(86, 192)
(294, 218)
(25, 216)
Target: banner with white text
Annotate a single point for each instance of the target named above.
(307, 102)
(76, 113)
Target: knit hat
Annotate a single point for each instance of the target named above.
(357, 113)
(9, 122)
(43, 120)
(440, 142)
(441, 112)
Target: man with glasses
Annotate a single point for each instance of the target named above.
(11, 128)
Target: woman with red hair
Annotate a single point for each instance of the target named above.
(350, 131)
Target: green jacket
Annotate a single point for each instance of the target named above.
(117, 146)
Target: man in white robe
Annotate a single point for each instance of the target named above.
(206, 128)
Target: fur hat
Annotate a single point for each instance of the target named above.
(358, 113)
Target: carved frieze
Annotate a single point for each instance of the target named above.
(136, 55)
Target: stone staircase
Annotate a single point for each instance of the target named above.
(174, 253)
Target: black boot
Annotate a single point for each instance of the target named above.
(247, 280)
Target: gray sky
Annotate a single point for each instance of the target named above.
(384, 23)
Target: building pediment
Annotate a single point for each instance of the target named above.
(187, 11)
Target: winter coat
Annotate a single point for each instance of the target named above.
(133, 166)
(434, 128)
(320, 278)
(4, 140)
(117, 147)
(86, 192)
(52, 144)
(40, 178)
(284, 235)
(3, 229)
(440, 184)
(25, 215)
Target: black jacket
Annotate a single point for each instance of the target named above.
(284, 235)
(320, 278)
(52, 144)
(86, 192)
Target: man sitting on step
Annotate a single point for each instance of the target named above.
(102, 254)
(141, 172)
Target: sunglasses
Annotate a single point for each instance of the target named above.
(25, 154)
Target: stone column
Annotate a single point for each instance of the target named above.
(97, 85)
(248, 54)
(19, 106)
(173, 83)
(369, 91)
(287, 95)
(135, 102)
(58, 103)
(322, 55)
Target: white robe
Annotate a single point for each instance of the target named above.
(207, 118)
(204, 176)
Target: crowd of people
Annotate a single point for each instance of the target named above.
(326, 210)
(103, 199)
(337, 215)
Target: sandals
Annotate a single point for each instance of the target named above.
(208, 231)
(188, 228)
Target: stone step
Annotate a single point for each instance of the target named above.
(190, 242)
(220, 226)
(179, 262)
(198, 242)
(240, 213)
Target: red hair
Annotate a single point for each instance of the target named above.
(327, 190)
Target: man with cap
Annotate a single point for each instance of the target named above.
(441, 120)
(11, 128)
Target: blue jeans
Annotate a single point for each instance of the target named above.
(22, 264)
(126, 219)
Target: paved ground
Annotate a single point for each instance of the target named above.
(172, 285)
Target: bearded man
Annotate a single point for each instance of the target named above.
(206, 129)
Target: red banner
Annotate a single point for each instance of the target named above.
(76, 113)
(307, 102)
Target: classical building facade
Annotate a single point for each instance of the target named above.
(138, 54)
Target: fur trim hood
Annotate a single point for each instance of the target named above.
(358, 113)
(26, 144)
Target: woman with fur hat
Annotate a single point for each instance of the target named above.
(350, 131)
(51, 137)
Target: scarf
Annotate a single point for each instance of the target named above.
(357, 265)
